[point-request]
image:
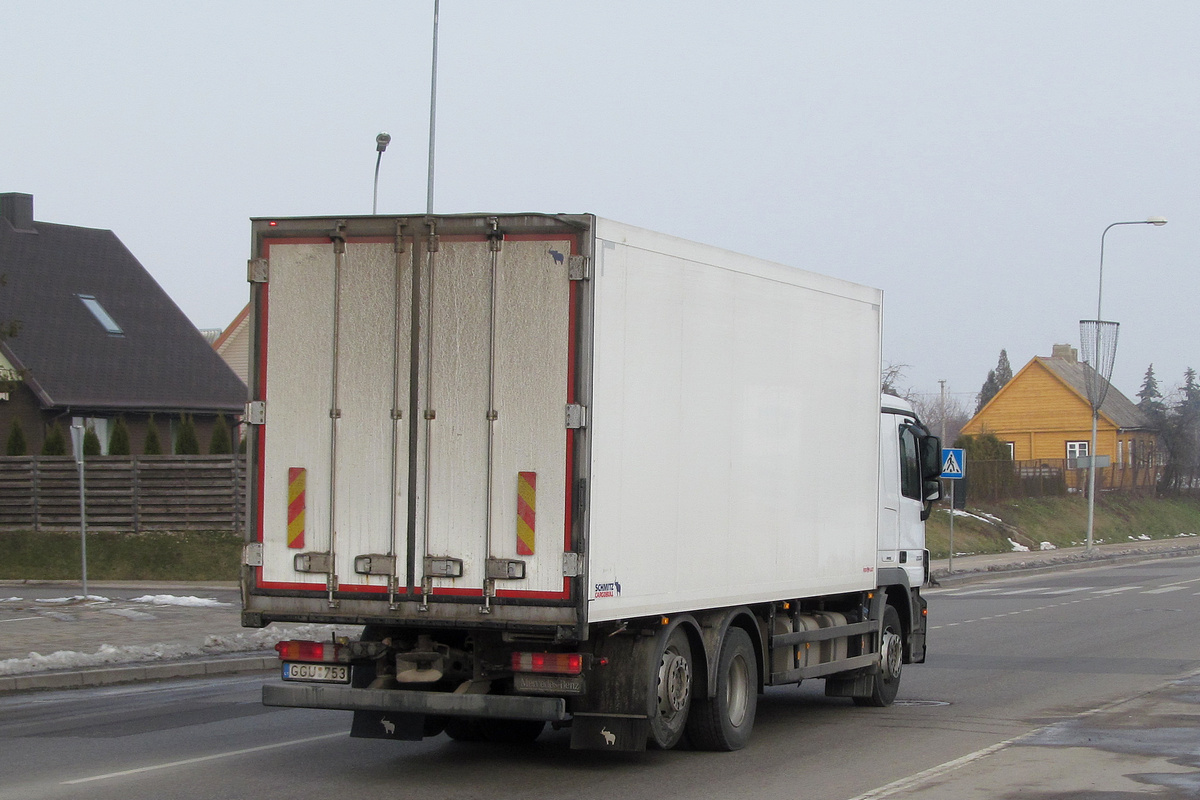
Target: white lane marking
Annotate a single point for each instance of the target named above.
(201, 759)
(1068, 591)
(1118, 589)
(20, 619)
(1031, 590)
(913, 781)
(1163, 590)
(971, 592)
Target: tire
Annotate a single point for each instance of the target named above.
(887, 680)
(465, 729)
(724, 722)
(671, 691)
(512, 731)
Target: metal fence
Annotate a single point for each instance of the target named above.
(1008, 480)
(124, 493)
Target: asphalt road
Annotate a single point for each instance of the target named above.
(1066, 684)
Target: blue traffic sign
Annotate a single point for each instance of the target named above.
(954, 463)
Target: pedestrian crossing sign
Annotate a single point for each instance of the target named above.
(954, 463)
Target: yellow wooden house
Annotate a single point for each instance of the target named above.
(1043, 414)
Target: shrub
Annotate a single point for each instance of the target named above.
(187, 444)
(91, 443)
(56, 441)
(220, 443)
(17, 446)
(118, 440)
(153, 444)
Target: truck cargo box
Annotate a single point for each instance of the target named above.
(532, 421)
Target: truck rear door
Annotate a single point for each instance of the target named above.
(413, 392)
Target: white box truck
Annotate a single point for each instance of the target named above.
(567, 470)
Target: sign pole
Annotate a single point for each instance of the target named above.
(77, 443)
(954, 469)
(951, 567)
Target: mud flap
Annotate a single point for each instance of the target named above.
(388, 725)
(598, 732)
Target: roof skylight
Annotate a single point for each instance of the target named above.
(103, 317)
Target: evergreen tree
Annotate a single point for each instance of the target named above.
(153, 444)
(220, 443)
(187, 444)
(1004, 371)
(996, 379)
(17, 446)
(983, 447)
(118, 440)
(1150, 400)
(91, 443)
(989, 389)
(55, 443)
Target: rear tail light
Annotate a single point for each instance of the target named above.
(553, 663)
(309, 651)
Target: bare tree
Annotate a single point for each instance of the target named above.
(956, 414)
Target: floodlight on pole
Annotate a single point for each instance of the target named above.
(1098, 345)
(381, 143)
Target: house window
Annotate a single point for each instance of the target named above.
(99, 426)
(1012, 450)
(1077, 449)
(103, 317)
(1120, 454)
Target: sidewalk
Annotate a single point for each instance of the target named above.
(50, 638)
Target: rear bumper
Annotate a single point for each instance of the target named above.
(345, 698)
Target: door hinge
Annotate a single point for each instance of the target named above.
(578, 268)
(576, 416)
(252, 554)
(572, 565)
(258, 270)
(256, 413)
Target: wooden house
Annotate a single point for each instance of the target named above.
(1043, 414)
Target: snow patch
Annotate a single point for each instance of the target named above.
(1018, 548)
(174, 600)
(1048, 546)
(74, 599)
(981, 516)
(247, 642)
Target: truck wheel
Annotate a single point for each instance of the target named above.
(891, 659)
(724, 722)
(512, 731)
(672, 685)
(465, 729)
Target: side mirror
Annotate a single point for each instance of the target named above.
(931, 458)
(932, 490)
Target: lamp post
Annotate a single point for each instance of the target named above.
(381, 143)
(1098, 341)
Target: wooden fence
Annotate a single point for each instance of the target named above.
(124, 493)
(1008, 480)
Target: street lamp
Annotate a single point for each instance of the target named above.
(381, 143)
(1098, 340)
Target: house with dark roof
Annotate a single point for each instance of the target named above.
(1043, 414)
(98, 338)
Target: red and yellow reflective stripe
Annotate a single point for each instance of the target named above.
(526, 511)
(295, 529)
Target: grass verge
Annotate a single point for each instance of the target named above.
(156, 555)
(1061, 521)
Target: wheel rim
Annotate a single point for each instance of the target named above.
(893, 654)
(737, 697)
(674, 684)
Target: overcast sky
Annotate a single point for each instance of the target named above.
(963, 157)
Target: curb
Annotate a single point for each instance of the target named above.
(134, 673)
(948, 579)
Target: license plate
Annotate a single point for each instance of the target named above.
(316, 673)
